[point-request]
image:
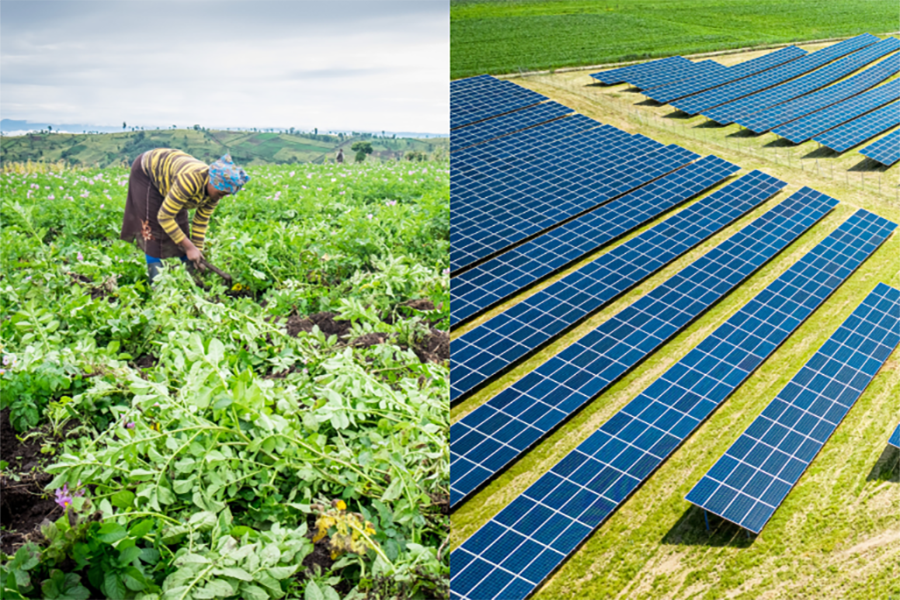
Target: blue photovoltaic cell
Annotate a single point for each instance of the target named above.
(500, 201)
(494, 346)
(804, 129)
(525, 141)
(491, 282)
(739, 71)
(506, 124)
(614, 76)
(779, 114)
(886, 150)
(647, 81)
(742, 110)
(487, 97)
(522, 142)
(754, 476)
(519, 548)
(895, 438)
(492, 436)
(859, 130)
(744, 87)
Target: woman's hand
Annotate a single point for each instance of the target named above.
(193, 253)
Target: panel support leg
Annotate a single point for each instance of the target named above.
(706, 518)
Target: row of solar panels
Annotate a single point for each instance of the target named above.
(517, 175)
(796, 95)
(511, 555)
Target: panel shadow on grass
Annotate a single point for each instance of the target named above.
(887, 467)
(690, 530)
(781, 142)
(821, 152)
(868, 165)
(743, 132)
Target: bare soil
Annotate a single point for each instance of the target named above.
(434, 348)
(324, 321)
(23, 507)
(21, 456)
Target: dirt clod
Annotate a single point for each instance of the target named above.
(324, 320)
(370, 339)
(435, 347)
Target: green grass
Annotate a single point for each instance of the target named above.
(487, 36)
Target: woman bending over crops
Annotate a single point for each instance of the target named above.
(163, 185)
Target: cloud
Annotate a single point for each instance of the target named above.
(333, 65)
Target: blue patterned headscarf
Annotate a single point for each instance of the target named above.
(227, 176)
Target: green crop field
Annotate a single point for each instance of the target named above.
(837, 534)
(247, 148)
(488, 36)
(281, 436)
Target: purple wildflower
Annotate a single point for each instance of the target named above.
(80, 256)
(63, 497)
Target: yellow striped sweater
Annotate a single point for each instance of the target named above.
(181, 179)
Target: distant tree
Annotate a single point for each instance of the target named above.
(50, 128)
(316, 131)
(361, 149)
(291, 130)
(196, 127)
(123, 124)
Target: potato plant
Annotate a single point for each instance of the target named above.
(197, 433)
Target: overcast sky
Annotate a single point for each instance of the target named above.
(336, 64)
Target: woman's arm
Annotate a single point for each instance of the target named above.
(186, 185)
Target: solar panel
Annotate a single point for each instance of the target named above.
(764, 120)
(647, 81)
(506, 124)
(492, 436)
(803, 129)
(739, 71)
(754, 476)
(496, 205)
(859, 130)
(895, 438)
(488, 284)
(777, 99)
(614, 76)
(521, 143)
(511, 555)
(494, 346)
(488, 98)
(886, 150)
(749, 85)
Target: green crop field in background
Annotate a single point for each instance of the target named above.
(488, 36)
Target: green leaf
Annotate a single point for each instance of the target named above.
(253, 592)
(281, 572)
(122, 499)
(313, 592)
(183, 486)
(141, 528)
(111, 533)
(216, 351)
(217, 588)
(127, 556)
(113, 586)
(331, 593)
(235, 572)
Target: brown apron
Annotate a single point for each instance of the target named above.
(142, 205)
